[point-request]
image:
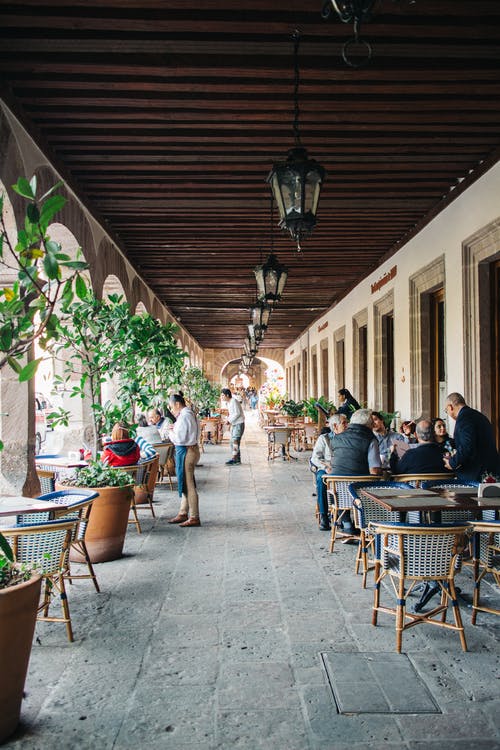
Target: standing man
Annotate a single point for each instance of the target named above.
(476, 452)
(184, 434)
(322, 459)
(236, 419)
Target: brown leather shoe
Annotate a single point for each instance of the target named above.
(191, 522)
(178, 518)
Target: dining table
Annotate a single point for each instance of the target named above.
(18, 505)
(430, 501)
(60, 462)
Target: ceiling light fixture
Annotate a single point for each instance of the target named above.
(296, 182)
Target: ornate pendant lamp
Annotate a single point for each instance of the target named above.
(296, 182)
(260, 314)
(246, 360)
(271, 278)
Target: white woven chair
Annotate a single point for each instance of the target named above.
(78, 504)
(340, 500)
(413, 554)
(486, 560)
(368, 511)
(46, 545)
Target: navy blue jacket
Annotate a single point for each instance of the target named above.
(426, 458)
(475, 446)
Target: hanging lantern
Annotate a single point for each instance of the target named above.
(260, 314)
(271, 278)
(296, 185)
(296, 182)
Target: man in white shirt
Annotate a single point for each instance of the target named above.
(236, 418)
(184, 434)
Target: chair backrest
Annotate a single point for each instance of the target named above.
(487, 543)
(337, 487)
(451, 484)
(142, 471)
(162, 449)
(47, 480)
(420, 551)
(367, 510)
(416, 479)
(488, 489)
(281, 435)
(75, 505)
(44, 545)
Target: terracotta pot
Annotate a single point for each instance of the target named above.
(108, 523)
(18, 608)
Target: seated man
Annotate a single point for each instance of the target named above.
(355, 452)
(160, 422)
(425, 458)
(386, 438)
(322, 459)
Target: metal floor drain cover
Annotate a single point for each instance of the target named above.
(376, 683)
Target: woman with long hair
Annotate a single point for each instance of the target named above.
(122, 450)
(348, 404)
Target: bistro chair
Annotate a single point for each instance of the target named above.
(46, 545)
(166, 452)
(367, 511)
(141, 474)
(278, 443)
(451, 484)
(411, 554)
(77, 507)
(340, 501)
(47, 479)
(309, 436)
(486, 560)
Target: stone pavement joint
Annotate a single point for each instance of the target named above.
(211, 638)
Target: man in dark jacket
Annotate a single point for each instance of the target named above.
(425, 458)
(476, 452)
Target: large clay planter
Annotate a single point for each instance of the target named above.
(18, 608)
(108, 523)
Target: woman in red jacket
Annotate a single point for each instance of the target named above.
(122, 450)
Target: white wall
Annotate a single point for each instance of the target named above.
(473, 209)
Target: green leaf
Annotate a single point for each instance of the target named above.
(14, 364)
(33, 213)
(80, 288)
(5, 547)
(5, 338)
(50, 207)
(51, 266)
(33, 184)
(76, 265)
(52, 247)
(51, 190)
(29, 370)
(23, 188)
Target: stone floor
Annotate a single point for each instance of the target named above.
(212, 637)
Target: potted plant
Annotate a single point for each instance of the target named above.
(203, 396)
(19, 597)
(105, 534)
(293, 408)
(311, 408)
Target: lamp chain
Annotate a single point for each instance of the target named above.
(296, 41)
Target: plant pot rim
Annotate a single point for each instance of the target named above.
(35, 577)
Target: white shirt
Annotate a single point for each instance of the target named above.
(235, 409)
(186, 429)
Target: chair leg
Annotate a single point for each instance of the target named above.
(135, 519)
(65, 609)
(376, 593)
(456, 614)
(477, 585)
(400, 615)
(80, 545)
(335, 520)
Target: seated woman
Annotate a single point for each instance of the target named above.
(441, 436)
(407, 429)
(122, 450)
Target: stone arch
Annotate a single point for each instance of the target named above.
(140, 308)
(112, 285)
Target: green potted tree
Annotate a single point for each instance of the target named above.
(293, 408)
(42, 286)
(197, 389)
(107, 527)
(19, 597)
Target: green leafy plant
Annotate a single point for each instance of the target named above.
(11, 572)
(97, 474)
(274, 399)
(388, 416)
(42, 276)
(103, 339)
(293, 408)
(199, 390)
(311, 410)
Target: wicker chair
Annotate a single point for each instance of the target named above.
(340, 500)
(167, 461)
(47, 479)
(486, 559)
(77, 507)
(414, 554)
(368, 511)
(46, 545)
(278, 443)
(451, 515)
(141, 474)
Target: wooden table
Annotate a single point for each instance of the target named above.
(427, 501)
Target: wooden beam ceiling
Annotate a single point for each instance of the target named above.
(165, 117)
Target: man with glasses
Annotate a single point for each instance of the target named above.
(475, 450)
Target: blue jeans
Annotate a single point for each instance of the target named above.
(321, 492)
(237, 431)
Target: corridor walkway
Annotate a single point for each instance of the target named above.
(211, 637)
